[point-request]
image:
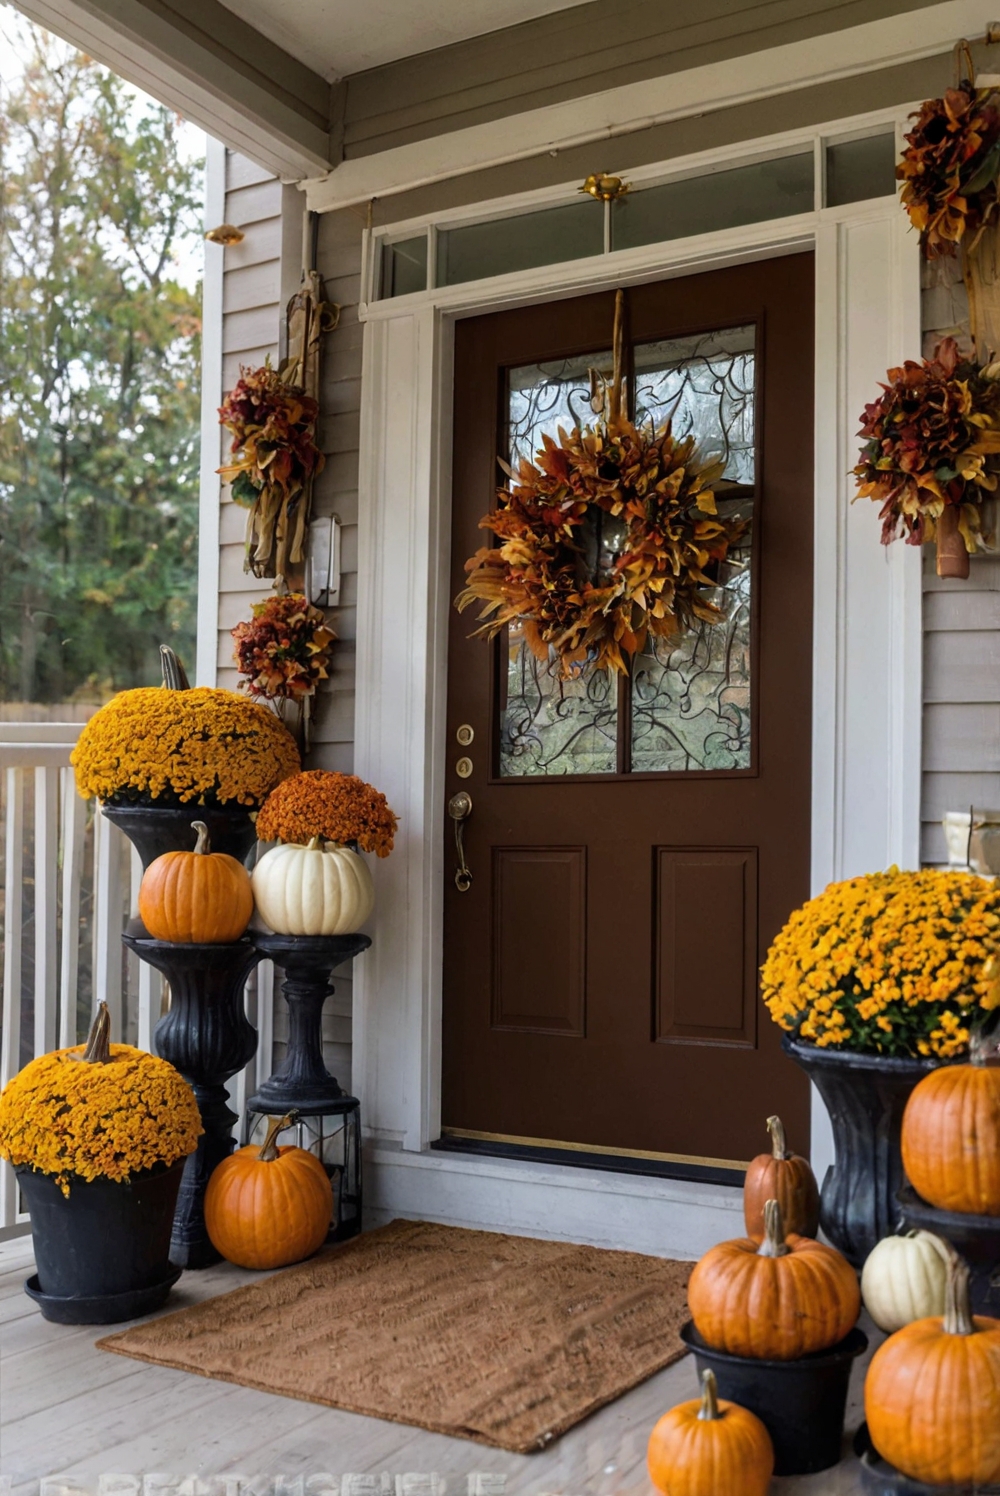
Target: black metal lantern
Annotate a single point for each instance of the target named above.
(327, 1120)
(334, 1135)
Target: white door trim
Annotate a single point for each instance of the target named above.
(866, 626)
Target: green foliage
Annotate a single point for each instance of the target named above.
(99, 383)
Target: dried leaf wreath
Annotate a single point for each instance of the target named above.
(660, 490)
(275, 458)
(950, 167)
(929, 437)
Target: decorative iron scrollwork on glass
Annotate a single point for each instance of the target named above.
(689, 696)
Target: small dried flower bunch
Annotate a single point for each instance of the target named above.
(928, 440)
(659, 491)
(894, 963)
(274, 459)
(950, 167)
(160, 746)
(283, 650)
(338, 808)
(100, 1111)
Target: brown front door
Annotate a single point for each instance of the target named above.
(635, 845)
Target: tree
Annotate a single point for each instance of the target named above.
(99, 382)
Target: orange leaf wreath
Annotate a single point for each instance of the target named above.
(659, 489)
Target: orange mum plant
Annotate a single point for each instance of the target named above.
(100, 1111)
(173, 747)
(336, 807)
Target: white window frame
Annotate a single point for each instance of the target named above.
(866, 719)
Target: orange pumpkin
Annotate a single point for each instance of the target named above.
(776, 1299)
(951, 1136)
(269, 1206)
(932, 1394)
(783, 1176)
(196, 898)
(707, 1447)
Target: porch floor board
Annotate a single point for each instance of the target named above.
(73, 1412)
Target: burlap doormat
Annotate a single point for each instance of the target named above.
(501, 1339)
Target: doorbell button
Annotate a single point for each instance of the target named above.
(463, 768)
(465, 734)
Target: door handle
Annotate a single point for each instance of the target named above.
(460, 808)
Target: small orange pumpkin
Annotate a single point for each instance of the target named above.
(786, 1177)
(268, 1206)
(196, 898)
(932, 1394)
(776, 1299)
(708, 1447)
(951, 1136)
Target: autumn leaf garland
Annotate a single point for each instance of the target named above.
(658, 489)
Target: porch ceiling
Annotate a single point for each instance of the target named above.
(339, 37)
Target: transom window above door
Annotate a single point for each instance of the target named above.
(686, 704)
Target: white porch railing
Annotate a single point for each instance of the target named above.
(70, 882)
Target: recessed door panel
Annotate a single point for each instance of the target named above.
(539, 939)
(706, 937)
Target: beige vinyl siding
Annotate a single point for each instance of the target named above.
(961, 684)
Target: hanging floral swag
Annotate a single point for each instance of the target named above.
(929, 440)
(950, 167)
(282, 653)
(274, 460)
(649, 490)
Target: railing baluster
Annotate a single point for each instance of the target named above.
(265, 1021)
(46, 906)
(10, 1048)
(108, 921)
(74, 828)
(150, 980)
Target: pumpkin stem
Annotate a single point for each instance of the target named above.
(709, 1410)
(315, 844)
(174, 675)
(774, 1244)
(776, 1128)
(202, 845)
(98, 1050)
(957, 1310)
(269, 1152)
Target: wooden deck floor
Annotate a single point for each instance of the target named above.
(72, 1414)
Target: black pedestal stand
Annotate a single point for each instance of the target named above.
(303, 1084)
(975, 1238)
(207, 1037)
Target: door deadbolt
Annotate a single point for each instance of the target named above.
(465, 734)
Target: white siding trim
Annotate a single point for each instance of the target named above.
(866, 726)
(210, 489)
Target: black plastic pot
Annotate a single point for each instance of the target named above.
(801, 1403)
(103, 1251)
(865, 1096)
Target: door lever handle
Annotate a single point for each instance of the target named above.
(460, 808)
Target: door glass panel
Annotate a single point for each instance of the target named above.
(690, 698)
(548, 725)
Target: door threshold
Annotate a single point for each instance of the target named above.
(485, 1145)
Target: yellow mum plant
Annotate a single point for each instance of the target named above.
(893, 963)
(100, 1111)
(202, 745)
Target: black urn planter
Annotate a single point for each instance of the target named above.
(102, 1251)
(207, 1037)
(801, 1403)
(976, 1238)
(865, 1096)
(155, 829)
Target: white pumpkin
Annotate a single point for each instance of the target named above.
(321, 889)
(903, 1279)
